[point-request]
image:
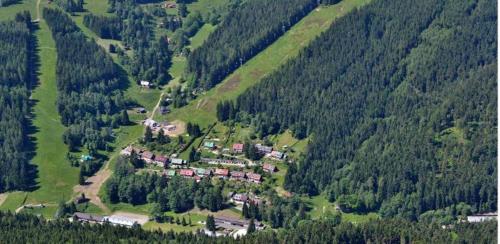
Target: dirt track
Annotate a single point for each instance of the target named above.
(94, 184)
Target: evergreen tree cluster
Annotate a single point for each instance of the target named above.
(89, 98)
(399, 99)
(105, 27)
(16, 70)
(5, 3)
(22, 228)
(176, 194)
(243, 33)
(152, 57)
(70, 6)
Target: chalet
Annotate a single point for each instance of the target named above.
(240, 198)
(255, 178)
(170, 173)
(145, 84)
(177, 162)
(197, 178)
(269, 168)
(128, 150)
(209, 145)
(203, 172)
(164, 110)
(238, 148)
(277, 155)
(140, 110)
(263, 149)
(187, 172)
(237, 175)
(147, 156)
(222, 173)
(151, 123)
(88, 218)
(161, 161)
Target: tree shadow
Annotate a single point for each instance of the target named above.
(31, 145)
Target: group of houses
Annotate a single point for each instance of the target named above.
(270, 152)
(150, 158)
(221, 173)
(242, 198)
(157, 126)
(98, 219)
(230, 162)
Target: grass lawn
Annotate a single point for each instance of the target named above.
(321, 207)
(195, 223)
(201, 35)
(47, 212)
(14, 200)
(7, 13)
(202, 110)
(56, 177)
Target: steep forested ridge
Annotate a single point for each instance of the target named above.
(16, 48)
(243, 33)
(22, 228)
(88, 82)
(399, 99)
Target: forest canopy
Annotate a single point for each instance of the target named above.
(243, 33)
(16, 53)
(399, 99)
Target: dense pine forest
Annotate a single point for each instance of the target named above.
(27, 228)
(16, 55)
(104, 27)
(5, 3)
(89, 101)
(243, 33)
(398, 100)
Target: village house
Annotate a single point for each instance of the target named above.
(269, 168)
(145, 84)
(88, 218)
(209, 145)
(234, 223)
(140, 110)
(151, 123)
(169, 5)
(239, 198)
(238, 148)
(203, 172)
(237, 175)
(128, 150)
(222, 173)
(477, 218)
(120, 221)
(255, 178)
(188, 173)
(177, 162)
(263, 149)
(147, 156)
(161, 161)
(277, 155)
(164, 110)
(170, 173)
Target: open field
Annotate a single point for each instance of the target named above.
(9, 12)
(322, 208)
(202, 110)
(201, 35)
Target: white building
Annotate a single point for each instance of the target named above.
(120, 220)
(482, 217)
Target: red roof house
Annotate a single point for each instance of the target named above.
(222, 172)
(253, 177)
(187, 172)
(237, 175)
(269, 168)
(238, 148)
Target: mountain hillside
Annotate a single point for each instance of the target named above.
(399, 98)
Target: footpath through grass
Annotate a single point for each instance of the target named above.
(202, 110)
